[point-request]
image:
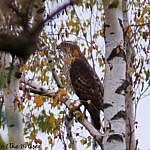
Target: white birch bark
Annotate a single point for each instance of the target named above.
(130, 117)
(68, 124)
(114, 113)
(13, 115)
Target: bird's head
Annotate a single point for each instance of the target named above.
(69, 48)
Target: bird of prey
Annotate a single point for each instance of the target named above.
(85, 81)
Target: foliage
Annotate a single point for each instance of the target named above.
(83, 23)
(138, 33)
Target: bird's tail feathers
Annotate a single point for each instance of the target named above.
(95, 119)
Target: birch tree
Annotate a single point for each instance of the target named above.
(121, 10)
(130, 53)
(40, 107)
(17, 42)
(114, 115)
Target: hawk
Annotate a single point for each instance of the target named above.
(85, 81)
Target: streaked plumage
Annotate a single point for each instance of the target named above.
(85, 81)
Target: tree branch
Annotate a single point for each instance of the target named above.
(52, 15)
(58, 82)
(64, 6)
(68, 124)
(43, 91)
(24, 45)
(36, 89)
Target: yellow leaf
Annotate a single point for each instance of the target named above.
(147, 9)
(67, 60)
(141, 20)
(52, 120)
(59, 97)
(59, 120)
(55, 101)
(23, 68)
(42, 53)
(83, 141)
(62, 92)
(76, 53)
(101, 33)
(105, 71)
(90, 49)
(129, 31)
(38, 101)
(69, 23)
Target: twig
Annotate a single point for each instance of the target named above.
(64, 6)
(57, 80)
(54, 74)
(138, 25)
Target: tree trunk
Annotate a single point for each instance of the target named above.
(114, 100)
(12, 103)
(13, 115)
(130, 117)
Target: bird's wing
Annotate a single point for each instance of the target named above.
(84, 80)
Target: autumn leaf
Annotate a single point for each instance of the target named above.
(39, 141)
(83, 141)
(69, 23)
(129, 31)
(38, 101)
(62, 92)
(50, 141)
(52, 120)
(105, 71)
(141, 20)
(76, 53)
(59, 120)
(90, 49)
(101, 62)
(147, 9)
(42, 53)
(67, 60)
(55, 101)
(59, 97)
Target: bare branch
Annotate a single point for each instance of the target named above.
(36, 89)
(64, 6)
(138, 25)
(58, 82)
